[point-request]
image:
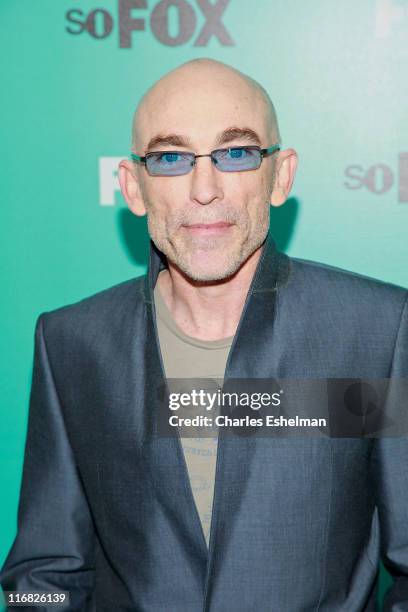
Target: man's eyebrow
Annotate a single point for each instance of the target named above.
(174, 140)
(225, 137)
(237, 133)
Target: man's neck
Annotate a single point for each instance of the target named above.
(203, 310)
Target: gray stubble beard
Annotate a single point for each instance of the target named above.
(234, 263)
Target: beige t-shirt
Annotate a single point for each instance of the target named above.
(187, 357)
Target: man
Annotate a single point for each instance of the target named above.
(111, 512)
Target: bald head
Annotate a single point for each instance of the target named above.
(202, 82)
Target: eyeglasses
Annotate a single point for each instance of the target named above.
(175, 163)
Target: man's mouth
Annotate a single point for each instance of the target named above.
(203, 228)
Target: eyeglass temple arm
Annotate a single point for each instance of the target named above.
(135, 157)
(270, 150)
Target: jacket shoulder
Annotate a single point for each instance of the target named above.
(330, 291)
(320, 274)
(100, 307)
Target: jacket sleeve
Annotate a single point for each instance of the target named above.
(390, 469)
(54, 546)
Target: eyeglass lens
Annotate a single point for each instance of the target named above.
(173, 163)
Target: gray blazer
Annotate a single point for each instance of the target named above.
(299, 524)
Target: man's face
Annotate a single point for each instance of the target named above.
(182, 210)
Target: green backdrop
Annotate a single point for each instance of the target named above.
(72, 73)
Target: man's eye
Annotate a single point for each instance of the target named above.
(169, 157)
(237, 153)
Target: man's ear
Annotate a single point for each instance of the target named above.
(130, 188)
(286, 164)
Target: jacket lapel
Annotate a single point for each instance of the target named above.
(249, 357)
(169, 472)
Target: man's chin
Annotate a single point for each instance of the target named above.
(209, 273)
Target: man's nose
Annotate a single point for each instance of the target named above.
(206, 182)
